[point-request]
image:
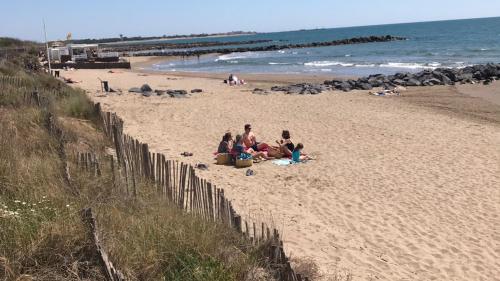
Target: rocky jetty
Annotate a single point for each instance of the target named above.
(441, 76)
(485, 74)
(147, 91)
(164, 45)
(356, 40)
(302, 89)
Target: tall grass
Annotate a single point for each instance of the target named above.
(42, 236)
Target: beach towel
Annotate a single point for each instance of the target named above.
(282, 162)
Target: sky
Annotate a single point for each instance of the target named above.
(109, 18)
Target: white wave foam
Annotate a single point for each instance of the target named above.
(327, 63)
(235, 56)
(281, 51)
(434, 64)
(278, 63)
(325, 70)
(408, 65)
(365, 65)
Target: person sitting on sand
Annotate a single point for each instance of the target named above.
(233, 80)
(226, 145)
(240, 147)
(297, 155)
(250, 141)
(285, 144)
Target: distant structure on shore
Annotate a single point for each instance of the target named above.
(83, 56)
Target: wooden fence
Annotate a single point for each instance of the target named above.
(111, 273)
(15, 81)
(178, 183)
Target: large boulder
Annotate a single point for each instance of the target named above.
(177, 93)
(400, 82)
(364, 86)
(413, 82)
(465, 76)
(344, 86)
(450, 73)
(431, 82)
(146, 88)
(478, 75)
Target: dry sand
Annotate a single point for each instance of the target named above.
(403, 188)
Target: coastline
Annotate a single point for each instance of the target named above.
(142, 65)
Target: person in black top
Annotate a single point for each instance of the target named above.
(286, 145)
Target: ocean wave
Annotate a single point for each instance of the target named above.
(410, 65)
(327, 63)
(365, 65)
(236, 56)
(279, 63)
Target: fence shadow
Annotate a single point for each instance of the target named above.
(179, 183)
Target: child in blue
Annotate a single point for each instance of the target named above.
(296, 152)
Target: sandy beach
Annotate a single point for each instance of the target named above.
(402, 188)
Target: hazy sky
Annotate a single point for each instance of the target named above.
(108, 18)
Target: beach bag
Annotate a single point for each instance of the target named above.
(244, 163)
(244, 160)
(223, 159)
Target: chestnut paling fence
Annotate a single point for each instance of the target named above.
(178, 183)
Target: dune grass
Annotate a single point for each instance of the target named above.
(42, 236)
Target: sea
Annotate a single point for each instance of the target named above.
(430, 45)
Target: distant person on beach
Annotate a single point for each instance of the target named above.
(226, 145)
(233, 80)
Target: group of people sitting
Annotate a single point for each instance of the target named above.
(247, 144)
(233, 80)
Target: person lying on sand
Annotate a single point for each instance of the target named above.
(250, 140)
(226, 145)
(70, 80)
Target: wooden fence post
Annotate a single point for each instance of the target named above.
(237, 223)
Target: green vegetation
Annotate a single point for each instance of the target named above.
(6, 42)
(42, 236)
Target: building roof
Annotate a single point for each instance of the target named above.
(82, 46)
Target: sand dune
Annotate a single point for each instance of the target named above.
(399, 191)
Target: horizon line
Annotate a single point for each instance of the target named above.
(269, 32)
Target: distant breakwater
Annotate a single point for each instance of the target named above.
(482, 73)
(162, 46)
(350, 41)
